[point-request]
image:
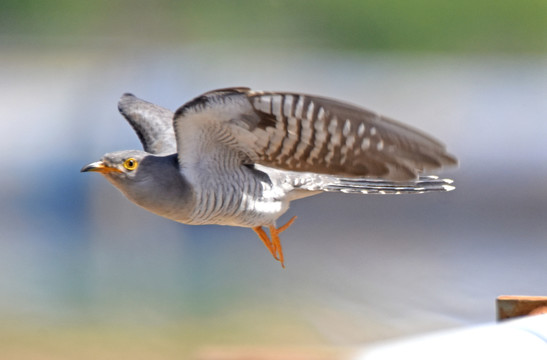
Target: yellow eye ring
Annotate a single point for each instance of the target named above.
(130, 164)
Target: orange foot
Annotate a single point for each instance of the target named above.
(274, 245)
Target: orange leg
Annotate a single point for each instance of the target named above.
(266, 240)
(274, 245)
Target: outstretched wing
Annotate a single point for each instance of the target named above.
(297, 132)
(153, 124)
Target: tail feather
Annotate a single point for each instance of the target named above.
(423, 184)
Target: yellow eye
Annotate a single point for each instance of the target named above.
(130, 164)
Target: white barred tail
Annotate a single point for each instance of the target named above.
(370, 186)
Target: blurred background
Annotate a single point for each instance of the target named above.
(86, 274)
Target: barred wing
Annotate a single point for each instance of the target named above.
(309, 133)
(303, 133)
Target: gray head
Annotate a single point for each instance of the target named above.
(153, 182)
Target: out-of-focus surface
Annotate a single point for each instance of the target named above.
(84, 273)
(525, 338)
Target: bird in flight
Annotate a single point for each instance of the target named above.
(238, 157)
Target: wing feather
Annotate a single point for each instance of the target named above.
(332, 137)
(303, 133)
(152, 123)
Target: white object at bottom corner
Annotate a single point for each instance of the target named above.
(524, 338)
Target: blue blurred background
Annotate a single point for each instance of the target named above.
(86, 274)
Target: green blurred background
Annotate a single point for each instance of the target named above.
(85, 274)
(467, 26)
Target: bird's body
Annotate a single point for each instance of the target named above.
(239, 157)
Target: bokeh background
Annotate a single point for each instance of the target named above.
(86, 274)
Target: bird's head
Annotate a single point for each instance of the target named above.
(128, 170)
(153, 182)
(120, 167)
(133, 172)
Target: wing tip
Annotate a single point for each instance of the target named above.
(125, 101)
(126, 95)
(450, 160)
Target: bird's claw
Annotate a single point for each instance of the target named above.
(274, 244)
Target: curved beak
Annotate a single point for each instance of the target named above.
(99, 166)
